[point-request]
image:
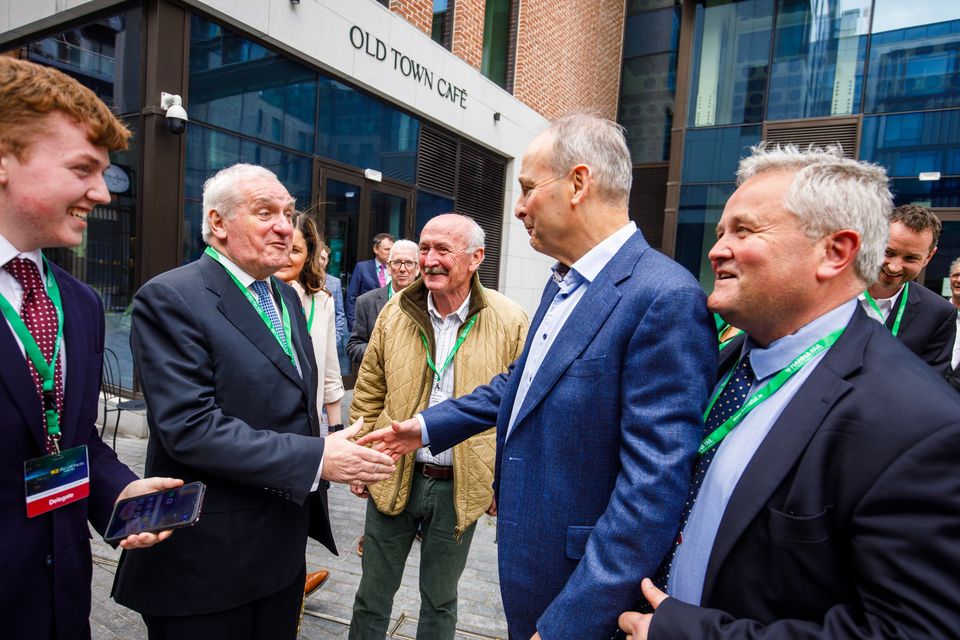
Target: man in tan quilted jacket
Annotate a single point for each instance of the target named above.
(441, 337)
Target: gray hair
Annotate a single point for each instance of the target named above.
(954, 265)
(587, 138)
(830, 193)
(222, 191)
(401, 245)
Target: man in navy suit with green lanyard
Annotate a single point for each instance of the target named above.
(54, 146)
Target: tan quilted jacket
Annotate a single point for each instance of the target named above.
(394, 383)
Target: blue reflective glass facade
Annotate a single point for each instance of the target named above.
(357, 129)
(712, 155)
(700, 209)
(428, 206)
(910, 143)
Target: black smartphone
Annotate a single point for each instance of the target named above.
(167, 509)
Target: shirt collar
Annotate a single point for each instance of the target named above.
(884, 302)
(245, 278)
(461, 312)
(8, 252)
(782, 352)
(589, 266)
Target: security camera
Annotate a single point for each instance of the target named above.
(176, 115)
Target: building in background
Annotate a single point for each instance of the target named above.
(375, 115)
(704, 81)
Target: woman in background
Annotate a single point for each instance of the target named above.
(304, 273)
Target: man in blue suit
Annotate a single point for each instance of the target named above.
(828, 504)
(369, 274)
(54, 147)
(599, 420)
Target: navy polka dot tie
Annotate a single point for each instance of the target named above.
(262, 290)
(732, 397)
(40, 317)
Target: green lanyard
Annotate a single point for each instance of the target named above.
(762, 394)
(313, 307)
(456, 347)
(45, 370)
(903, 305)
(389, 290)
(286, 345)
(723, 325)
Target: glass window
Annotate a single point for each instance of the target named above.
(942, 193)
(388, 214)
(496, 40)
(646, 105)
(651, 32)
(359, 130)
(700, 209)
(442, 22)
(937, 274)
(731, 55)
(914, 56)
(910, 143)
(634, 6)
(341, 203)
(239, 85)
(209, 150)
(712, 155)
(103, 55)
(428, 206)
(818, 58)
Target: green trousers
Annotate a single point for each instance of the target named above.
(442, 559)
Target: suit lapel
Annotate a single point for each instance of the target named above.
(16, 378)
(913, 302)
(582, 325)
(238, 310)
(787, 440)
(76, 339)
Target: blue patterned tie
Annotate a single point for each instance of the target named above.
(732, 397)
(262, 289)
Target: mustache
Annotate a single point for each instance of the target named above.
(435, 271)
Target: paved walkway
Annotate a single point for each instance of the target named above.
(328, 609)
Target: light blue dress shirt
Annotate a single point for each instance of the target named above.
(738, 448)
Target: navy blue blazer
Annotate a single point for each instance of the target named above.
(591, 481)
(928, 327)
(46, 560)
(364, 279)
(845, 522)
(225, 406)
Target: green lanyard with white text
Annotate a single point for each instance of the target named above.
(903, 305)
(763, 393)
(46, 370)
(456, 347)
(287, 345)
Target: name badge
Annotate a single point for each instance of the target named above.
(56, 480)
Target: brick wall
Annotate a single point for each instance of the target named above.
(568, 56)
(419, 13)
(468, 31)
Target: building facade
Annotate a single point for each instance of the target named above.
(703, 81)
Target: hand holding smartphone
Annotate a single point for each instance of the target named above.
(155, 512)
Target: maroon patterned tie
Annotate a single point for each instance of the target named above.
(40, 316)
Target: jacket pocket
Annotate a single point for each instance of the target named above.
(577, 541)
(801, 528)
(587, 367)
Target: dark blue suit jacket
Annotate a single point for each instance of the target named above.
(928, 327)
(225, 406)
(364, 279)
(591, 481)
(46, 559)
(845, 522)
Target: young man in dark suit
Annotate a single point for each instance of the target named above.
(825, 500)
(54, 145)
(369, 274)
(924, 321)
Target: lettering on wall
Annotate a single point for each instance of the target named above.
(407, 66)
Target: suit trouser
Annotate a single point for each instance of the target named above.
(388, 541)
(276, 616)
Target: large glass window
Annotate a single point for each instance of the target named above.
(496, 40)
(910, 143)
(712, 155)
(239, 85)
(441, 27)
(428, 206)
(914, 56)
(942, 193)
(700, 209)
(648, 82)
(209, 150)
(937, 274)
(818, 58)
(362, 131)
(731, 55)
(104, 55)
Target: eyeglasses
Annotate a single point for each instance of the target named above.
(402, 264)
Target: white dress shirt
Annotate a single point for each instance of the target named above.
(885, 304)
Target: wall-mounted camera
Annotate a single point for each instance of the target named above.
(176, 115)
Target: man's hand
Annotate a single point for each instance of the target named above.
(637, 625)
(344, 461)
(359, 490)
(492, 509)
(138, 488)
(396, 440)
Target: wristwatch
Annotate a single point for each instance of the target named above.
(335, 427)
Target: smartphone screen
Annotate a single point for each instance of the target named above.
(168, 509)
